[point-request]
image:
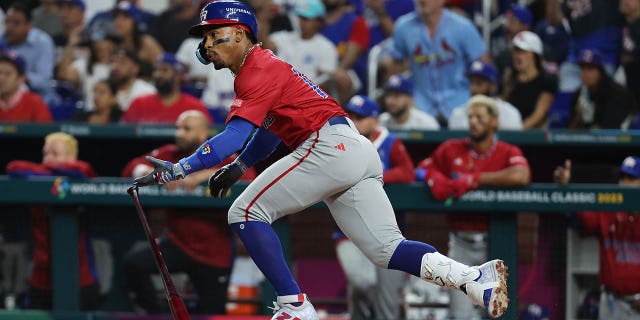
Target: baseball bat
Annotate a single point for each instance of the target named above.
(176, 305)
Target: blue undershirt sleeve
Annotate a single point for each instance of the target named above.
(220, 147)
(259, 148)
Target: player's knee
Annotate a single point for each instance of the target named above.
(238, 213)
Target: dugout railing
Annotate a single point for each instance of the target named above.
(109, 147)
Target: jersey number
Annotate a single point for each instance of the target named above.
(310, 83)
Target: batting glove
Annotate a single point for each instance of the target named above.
(221, 181)
(163, 172)
(464, 183)
(201, 54)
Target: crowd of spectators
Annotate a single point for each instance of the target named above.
(553, 64)
(536, 52)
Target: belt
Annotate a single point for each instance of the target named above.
(338, 120)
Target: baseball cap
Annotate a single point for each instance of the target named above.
(399, 83)
(591, 57)
(363, 106)
(483, 69)
(14, 58)
(528, 41)
(170, 59)
(631, 166)
(521, 13)
(128, 8)
(77, 3)
(310, 9)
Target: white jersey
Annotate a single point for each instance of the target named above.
(418, 120)
(138, 89)
(310, 56)
(510, 118)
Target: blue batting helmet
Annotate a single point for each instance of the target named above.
(225, 12)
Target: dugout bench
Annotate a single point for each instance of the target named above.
(109, 147)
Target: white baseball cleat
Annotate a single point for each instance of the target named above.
(489, 290)
(286, 311)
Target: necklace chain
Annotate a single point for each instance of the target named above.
(244, 57)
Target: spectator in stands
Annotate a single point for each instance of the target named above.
(401, 113)
(460, 165)
(554, 32)
(33, 45)
(374, 293)
(439, 46)
(198, 242)
(350, 34)
(83, 72)
(106, 109)
(381, 15)
(46, 17)
(72, 13)
(124, 76)
(527, 85)
(517, 18)
(103, 21)
(630, 57)
(147, 48)
(171, 23)
(169, 102)
(308, 51)
(17, 103)
(484, 80)
(619, 237)
(596, 24)
(217, 85)
(271, 18)
(601, 103)
(59, 158)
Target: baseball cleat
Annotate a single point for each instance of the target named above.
(287, 311)
(489, 290)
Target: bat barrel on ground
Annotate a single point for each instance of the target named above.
(176, 305)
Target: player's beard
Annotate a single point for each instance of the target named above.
(164, 86)
(187, 146)
(219, 65)
(400, 112)
(481, 136)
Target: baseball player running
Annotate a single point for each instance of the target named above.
(330, 161)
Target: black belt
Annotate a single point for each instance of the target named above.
(338, 120)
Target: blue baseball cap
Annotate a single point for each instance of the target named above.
(522, 14)
(363, 106)
(15, 59)
(77, 3)
(631, 166)
(399, 83)
(170, 59)
(310, 9)
(483, 69)
(129, 9)
(590, 57)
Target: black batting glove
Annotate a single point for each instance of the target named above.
(163, 171)
(201, 53)
(221, 181)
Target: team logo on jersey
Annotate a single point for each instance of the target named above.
(268, 121)
(206, 149)
(236, 103)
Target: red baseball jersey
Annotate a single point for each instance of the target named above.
(456, 157)
(619, 237)
(149, 109)
(202, 234)
(273, 94)
(28, 108)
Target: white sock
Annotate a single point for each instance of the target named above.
(444, 271)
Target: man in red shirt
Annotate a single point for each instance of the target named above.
(619, 237)
(17, 103)
(329, 161)
(59, 158)
(459, 165)
(168, 103)
(198, 242)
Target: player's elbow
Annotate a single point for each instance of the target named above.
(521, 178)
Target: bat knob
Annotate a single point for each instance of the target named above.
(130, 189)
